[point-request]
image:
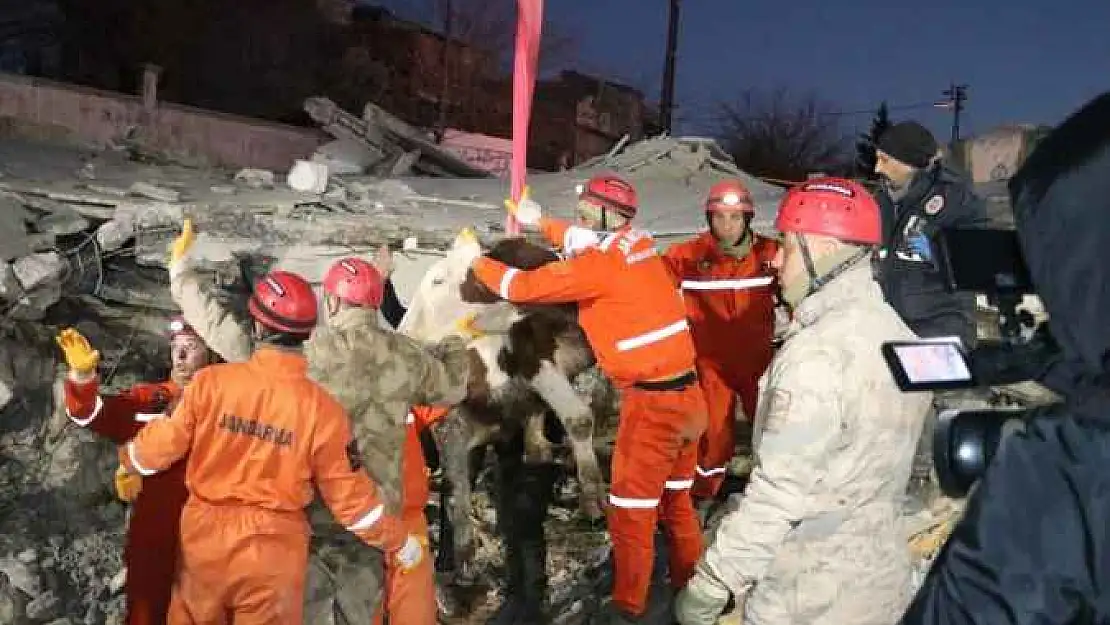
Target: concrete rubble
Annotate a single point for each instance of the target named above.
(83, 237)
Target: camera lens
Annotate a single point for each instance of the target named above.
(965, 441)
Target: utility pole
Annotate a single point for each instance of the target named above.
(444, 65)
(666, 97)
(957, 95)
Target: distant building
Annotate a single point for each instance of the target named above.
(995, 155)
(576, 117)
(416, 67)
(29, 37)
(991, 158)
(403, 69)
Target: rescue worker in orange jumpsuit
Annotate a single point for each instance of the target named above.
(730, 298)
(636, 322)
(150, 551)
(259, 435)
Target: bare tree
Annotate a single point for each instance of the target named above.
(490, 26)
(782, 135)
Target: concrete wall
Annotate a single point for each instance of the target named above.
(101, 116)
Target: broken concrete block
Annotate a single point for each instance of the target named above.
(13, 231)
(308, 177)
(6, 394)
(61, 223)
(10, 289)
(38, 269)
(34, 304)
(106, 190)
(336, 194)
(111, 235)
(155, 192)
(344, 156)
(255, 178)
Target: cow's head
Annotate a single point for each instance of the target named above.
(437, 305)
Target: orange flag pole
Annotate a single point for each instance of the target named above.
(525, 62)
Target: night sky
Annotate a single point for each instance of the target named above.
(1026, 61)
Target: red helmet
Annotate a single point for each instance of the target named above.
(834, 207)
(356, 282)
(284, 301)
(729, 196)
(613, 192)
(178, 326)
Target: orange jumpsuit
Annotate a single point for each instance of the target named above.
(636, 323)
(150, 552)
(731, 304)
(259, 435)
(407, 593)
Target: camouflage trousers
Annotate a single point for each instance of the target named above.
(345, 577)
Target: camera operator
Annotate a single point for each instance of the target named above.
(1034, 544)
(920, 195)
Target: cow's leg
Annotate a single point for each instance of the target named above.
(524, 492)
(578, 420)
(537, 448)
(455, 437)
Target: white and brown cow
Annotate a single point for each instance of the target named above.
(521, 369)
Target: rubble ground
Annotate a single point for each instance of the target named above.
(83, 234)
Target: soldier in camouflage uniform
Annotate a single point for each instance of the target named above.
(377, 375)
(815, 539)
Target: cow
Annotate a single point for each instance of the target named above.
(522, 365)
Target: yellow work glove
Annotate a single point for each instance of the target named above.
(411, 554)
(128, 485)
(79, 355)
(527, 211)
(467, 328)
(184, 241)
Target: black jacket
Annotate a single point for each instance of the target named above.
(937, 198)
(1033, 547)
(392, 308)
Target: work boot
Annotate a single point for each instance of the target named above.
(524, 493)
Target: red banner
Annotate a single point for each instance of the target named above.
(525, 60)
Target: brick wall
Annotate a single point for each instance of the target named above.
(101, 116)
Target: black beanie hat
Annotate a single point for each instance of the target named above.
(909, 142)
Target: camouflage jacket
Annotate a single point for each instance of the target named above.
(816, 537)
(375, 373)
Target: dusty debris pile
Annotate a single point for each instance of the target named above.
(83, 237)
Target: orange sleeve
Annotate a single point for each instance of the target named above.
(676, 257)
(110, 416)
(163, 442)
(580, 278)
(347, 490)
(554, 230)
(425, 416)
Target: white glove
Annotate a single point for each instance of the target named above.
(411, 554)
(702, 601)
(579, 239)
(527, 211)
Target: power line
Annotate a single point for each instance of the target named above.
(716, 117)
(872, 111)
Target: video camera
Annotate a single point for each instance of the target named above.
(988, 262)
